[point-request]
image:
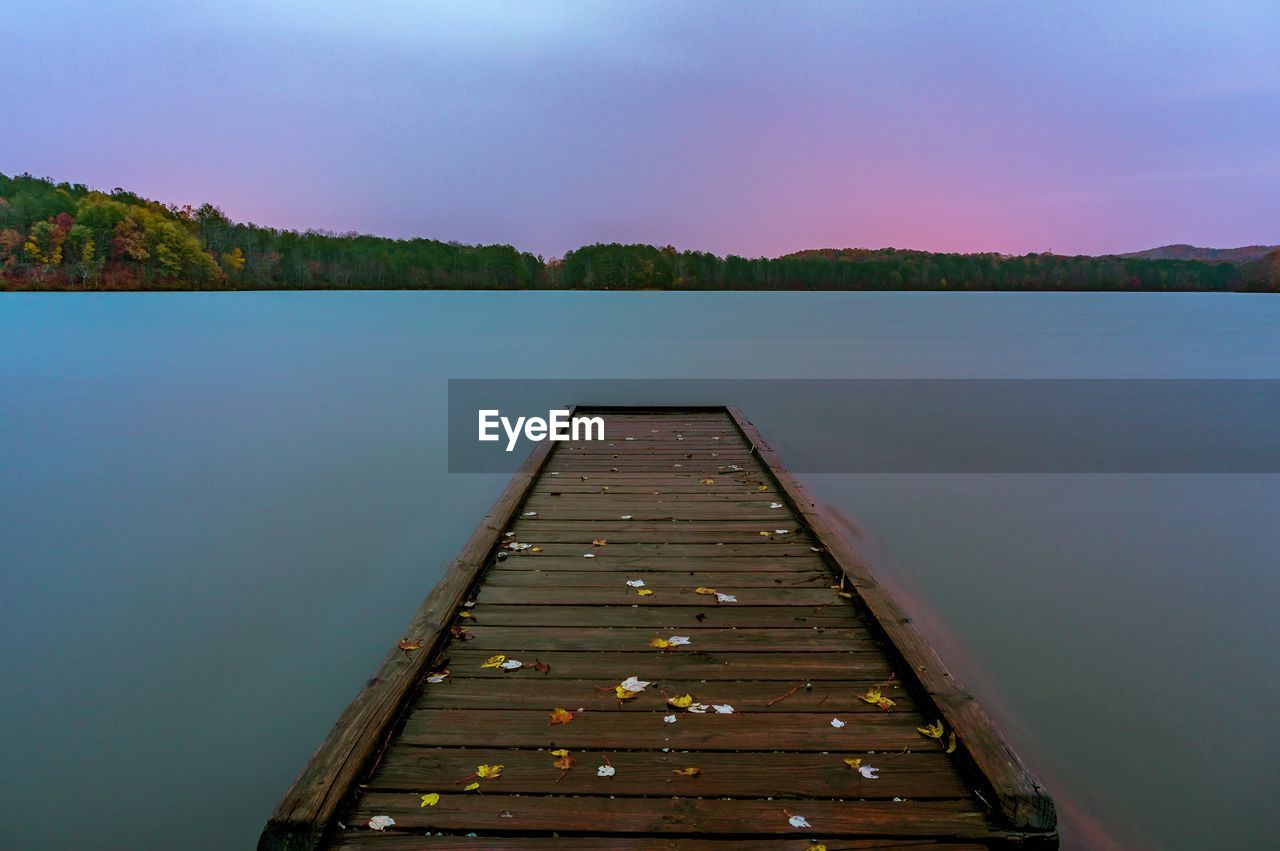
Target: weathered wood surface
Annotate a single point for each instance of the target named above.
(681, 505)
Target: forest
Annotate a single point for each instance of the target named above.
(64, 236)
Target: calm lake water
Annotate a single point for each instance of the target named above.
(218, 510)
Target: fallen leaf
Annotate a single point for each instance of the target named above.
(726, 598)
(837, 723)
(763, 488)
(409, 646)
(599, 542)
(535, 549)
(531, 514)
(636, 583)
(624, 693)
(464, 614)
(488, 772)
(708, 482)
(951, 743)
(438, 677)
(933, 731)
(471, 787)
(766, 534)
(511, 664)
(560, 716)
(853, 762)
(782, 531)
(381, 822)
(687, 772)
(704, 591)
(430, 800)
(722, 708)
(560, 752)
(798, 821)
(644, 592)
(775, 505)
(588, 555)
(541, 667)
(681, 701)
(564, 763)
(670, 719)
(868, 772)
(626, 517)
(874, 697)
(494, 661)
(604, 771)
(634, 684)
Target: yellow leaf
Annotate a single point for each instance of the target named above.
(933, 731)
(660, 643)
(766, 534)
(488, 772)
(872, 695)
(764, 487)
(471, 787)
(951, 743)
(560, 716)
(852, 762)
(564, 763)
(704, 590)
(560, 752)
(430, 800)
(708, 482)
(535, 549)
(884, 703)
(464, 614)
(818, 847)
(687, 772)
(624, 694)
(494, 661)
(683, 701)
(599, 542)
(643, 592)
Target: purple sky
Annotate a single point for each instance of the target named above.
(739, 127)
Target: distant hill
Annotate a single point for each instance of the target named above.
(1243, 254)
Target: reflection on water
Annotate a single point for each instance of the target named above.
(216, 511)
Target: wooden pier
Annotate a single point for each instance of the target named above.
(785, 627)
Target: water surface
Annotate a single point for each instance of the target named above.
(218, 510)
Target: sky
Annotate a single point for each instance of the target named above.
(744, 127)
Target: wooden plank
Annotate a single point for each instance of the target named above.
(598, 696)
(806, 563)
(1021, 797)
(552, 596)
(354, 839)
(523, 639)
(673, 617)
(303, 814)
(740, 775)
(685, 663)
(518, 728)
(684, 815)
(659, 581)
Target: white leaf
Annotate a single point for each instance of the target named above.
(837, 723)
(626, 517)
(782, 531)
(670, 719)
(381, 822)
(636, 583)
(678, 639)
(435, 679)
(726, 598)
(799, 821)
(512, 664)
(697, 708)
(588, 555)
(868, 772)
(775, 505)
(604, 771)
(531, 514)
(628, 438)
(722, 708)
(633, 684)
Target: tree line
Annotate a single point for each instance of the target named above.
(66, 236)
